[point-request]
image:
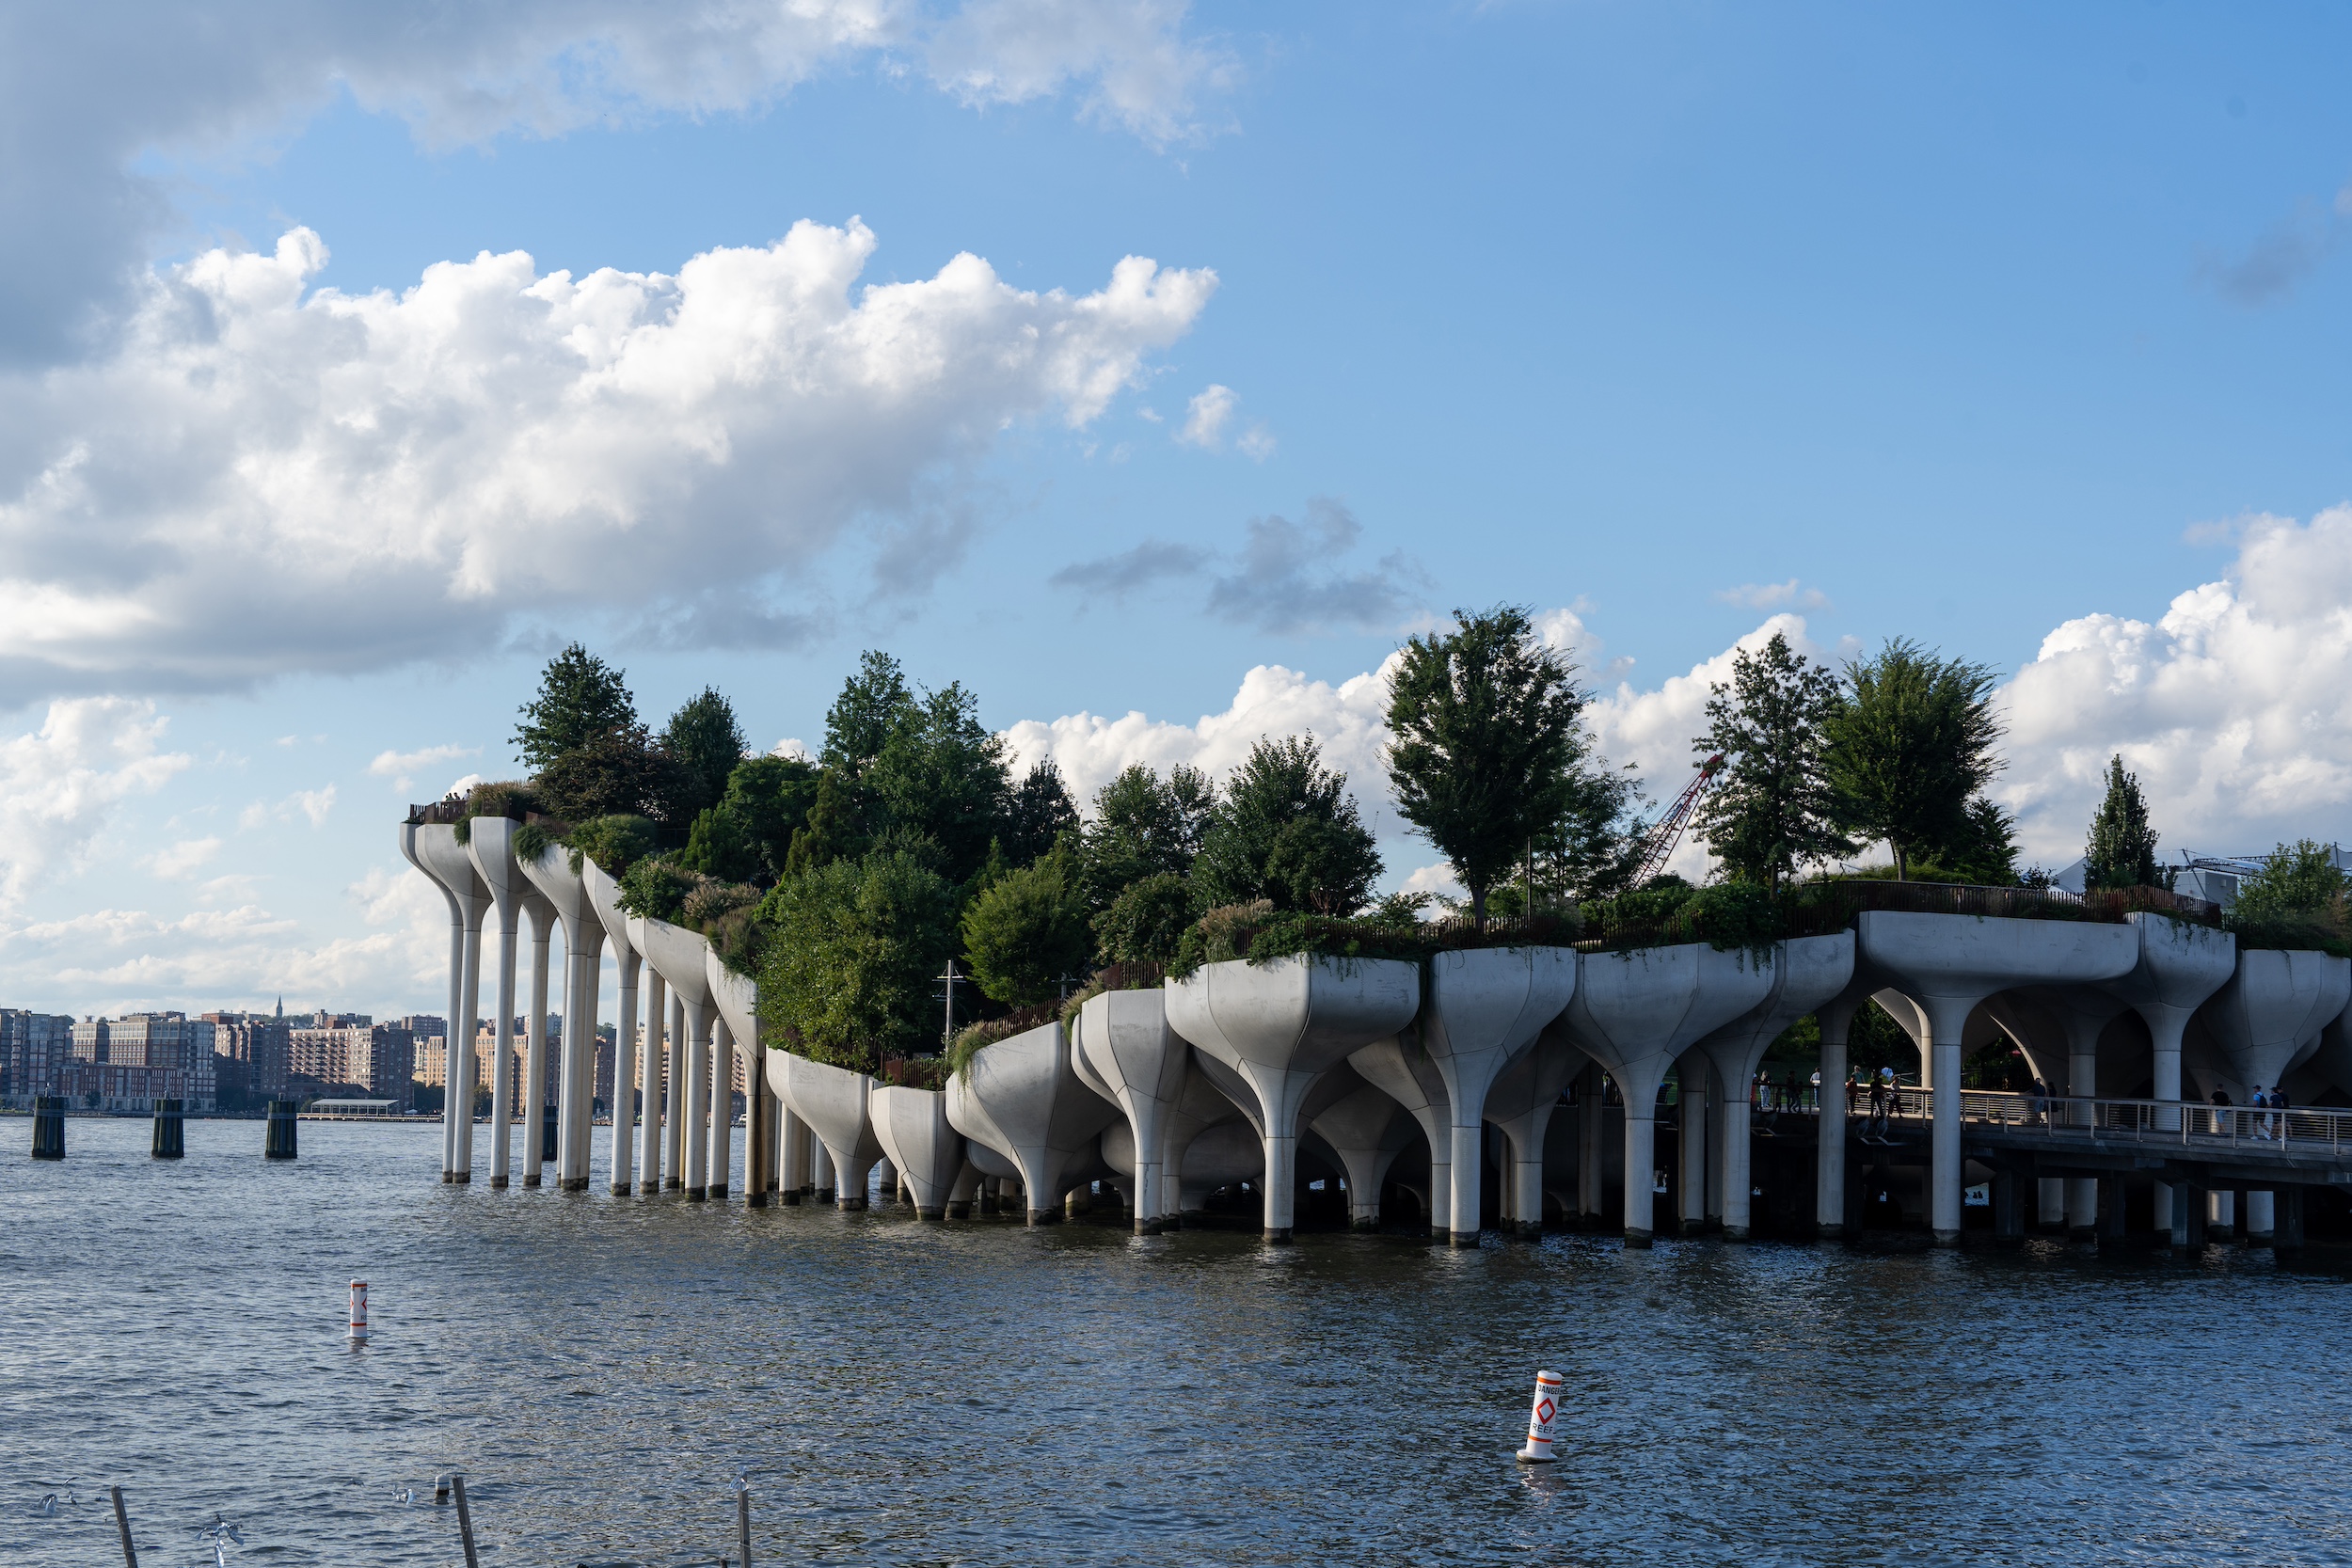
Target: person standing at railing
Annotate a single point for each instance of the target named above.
(1878, 1109)
(1853, 1090)
(1816, 1089)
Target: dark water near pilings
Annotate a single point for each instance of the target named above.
(603, 1367)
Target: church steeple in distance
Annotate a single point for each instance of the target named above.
(281, 1007)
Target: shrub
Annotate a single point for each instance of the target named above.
(614, 843)
(506, 797)
(656, 888)
(1146, 924)
(1026, 933)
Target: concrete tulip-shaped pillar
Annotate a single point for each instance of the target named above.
(1200, 1106)
(1521, 1103)
(679, 955)
(2180, 966)
(550, 872)
(2058, 1028)
(1400, 1069)
(2268, 1019)
(534, 1074)
(836, 1103)
(651, 1075)
(1635, 1012)
(433, 848)
(1482, 1008)
(911, 1126)
(1022, 1098)
(1282, 1026)
(490, 850)
(1223, 1154)
(1805, 973)
(604, 895)
(1123, 1049)
(1367, 1129)
(737, 999)
(1949, 963)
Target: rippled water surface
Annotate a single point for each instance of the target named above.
(603, 1367)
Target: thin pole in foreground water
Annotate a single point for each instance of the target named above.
(122, 1523)
(465, 1519)
(744, 1519)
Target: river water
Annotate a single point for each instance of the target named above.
(602, 1369)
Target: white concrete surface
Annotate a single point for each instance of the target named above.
(1806, 973)
(1022, 1098)
(1122, 1047)
(911, 1126)
(1482, 1008)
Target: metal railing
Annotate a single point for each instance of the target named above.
(2189, 1123)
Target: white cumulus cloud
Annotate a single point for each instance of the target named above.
(60, 785)
(262, 478)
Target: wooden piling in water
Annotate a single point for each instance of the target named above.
(123, 1523)
(278, 1143)
(465, 1520)
(48, 1127)
(170, 1130)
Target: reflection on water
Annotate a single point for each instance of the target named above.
(603, 1368)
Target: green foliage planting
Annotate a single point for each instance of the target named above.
(506, 797)
(942, 775)
(1772, 809)
(853, 947)
(656, 888)
(1026, 934)
(1908, 744)
(614, 843)
(1143, 827)
(531, 842)
(1037, 812)
(2296, 901)
(581, 698)
(617, 772)
(1488, 745)
(2121, 849)
(871, 706)
(1260, 933)
(1285, 830)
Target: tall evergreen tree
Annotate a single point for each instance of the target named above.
(1771, 808)
(1910, 743)
(1285, 829)
(1487, 743)
(705, 744)
(2122, 849)
(581, 699)
(941, 775)
(873, 703)
(1038, 811)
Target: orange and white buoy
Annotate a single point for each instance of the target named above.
(1541, 1419)
(359, 1311)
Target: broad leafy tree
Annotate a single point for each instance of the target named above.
(1487, 744)
(2298, 878)
(2121, 850)
(873, 703)
(617, 772)
(1027, 933)
(1285, 829)
(941, 775)
(1146, 923)
(1910, 743)
(1772, 809)
(853, 950)
(581, 699)
(1144, 826)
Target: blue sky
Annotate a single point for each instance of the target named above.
(2016, 332)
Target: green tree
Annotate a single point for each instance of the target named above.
(705, 743)
(2294, 880)
(1285, 829)
(1771, 808)
(831, 829)
(1910, 743)
(2121, 850)
(617, 772)
(853, 948)
(1037, 812)
(747, 837)
(1487, 742)
(873, 703)
(614, 843)
(1146, 923)
(1144, 826)
(581, 699)
(941, 775)
(1027, 933)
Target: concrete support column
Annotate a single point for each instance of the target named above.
(2221, 1215)
(721, 1104)
(1641, 1171)
(675, 1094)
(2260, 1219)
(577, 1077)
(2164, 1027)
(795, 1181)
(1829, 1163)
(697, 1126)
(534, 1089)
(821, 1158)
(457, 1099)
(1691, 1123)
(2049, 1203)
(502, 1048)
(456, 1002)
(759, 1151)
(1589, 1130)
(625, 1078)
(2082, 1081)
(650, 1082)
(1947, 1016)
(2288, 1237)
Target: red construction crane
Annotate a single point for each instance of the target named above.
(1668, 833)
